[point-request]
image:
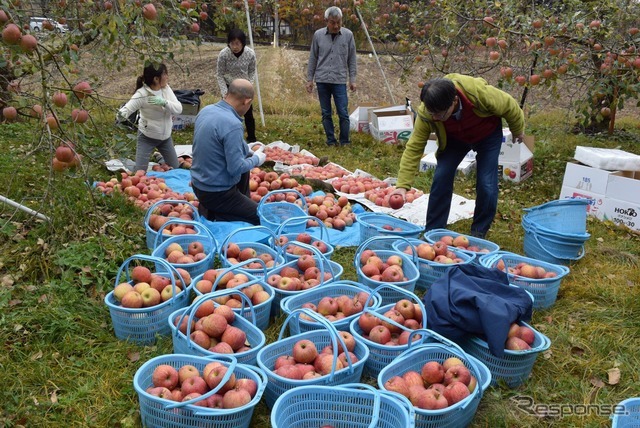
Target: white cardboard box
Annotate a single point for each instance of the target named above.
(390, 136)
(429, 161)
(622, 212)
(596, 200)
(610, 159)
(515, 162)
(586, 178)
(182, 121)
(359, 118)
(624, 186)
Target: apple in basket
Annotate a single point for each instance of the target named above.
(367, 321)
(455, 392)
(397, 384)
(450, 362)
(233, 250)
(457, 373)
(425, 251)
(304, 351)
(165, 376)
(432, 372)
(236, 397)
(380, 334)
(432, 399)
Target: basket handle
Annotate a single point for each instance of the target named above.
(376, 398)
(333, 333)
(410, 295)
(323, 260)
(364, 246)
(428, 235)
(147, 215)
(238, 266)
(227, 240)
(230, 369)
(581, 255)
(324, 232)
(273, 192)
(171, 270)
(207, 233)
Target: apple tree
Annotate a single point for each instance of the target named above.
(583, 52)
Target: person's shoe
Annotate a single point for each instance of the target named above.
(331, 143)
(346, 143)
(477, 234)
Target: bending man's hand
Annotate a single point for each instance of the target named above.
(400, 191)
(519, 138)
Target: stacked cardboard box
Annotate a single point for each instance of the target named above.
(516, 158)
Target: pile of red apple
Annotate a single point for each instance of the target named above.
(337, 308)
(438, 252)
(143, 190)
(236, 255)
(301, 275)
(213, 329)
(306, 362)
(289, 158)
(383, 198)
(437, 386)
(185, 162)
(462, 242)
(526, 270)
(519, 338)
(187, 383)
(353, 185)
(320, 172)
(389, 270)
(255, 292)
(166, 212)
(148, 289)
(377, 330)
(305, 238)
(262, 182)
(334, 212)
(175, 254)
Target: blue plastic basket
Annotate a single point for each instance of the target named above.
(325, 266)
(376, 224)
(409, 267)
(439, 349)
(143, 324)
(278, 385)
(262, 311)
(195, 268)
(564, 216)
(314, 295)
(160, 413)
(265, 247)
(182, 343)
(551, 247)
(381, 355)
(544, 290)
(486, 247)
(431, 271)
(324, 236)
(272, 214)
(155, 209)
(515, 366)
(627, 414)
(344, 406)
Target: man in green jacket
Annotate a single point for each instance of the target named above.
(465, 113)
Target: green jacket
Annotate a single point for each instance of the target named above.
(488, 100)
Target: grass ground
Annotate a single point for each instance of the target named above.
(64, 367)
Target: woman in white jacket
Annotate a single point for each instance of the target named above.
(157, 103)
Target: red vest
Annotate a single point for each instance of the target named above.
(471, 128)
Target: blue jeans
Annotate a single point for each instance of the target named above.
(339, 93)
(487, 152)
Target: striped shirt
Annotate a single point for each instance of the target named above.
(230, 68)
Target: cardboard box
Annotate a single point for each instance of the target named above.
(359, 118)
(390, 136)
(596, 200)
(182, 121)
(515, 162)
(624, 186)
(610, 159)
(623, 213)
(586, 178)
(429, 162)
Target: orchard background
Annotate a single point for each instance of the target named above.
(573, 65)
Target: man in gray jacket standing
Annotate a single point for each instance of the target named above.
(332, 64)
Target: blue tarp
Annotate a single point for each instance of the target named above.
(178, 180)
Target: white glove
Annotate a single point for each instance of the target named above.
(121, 116)
(257, 143)
(261, 157)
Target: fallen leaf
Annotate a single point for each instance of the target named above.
(7, 281)
(30, 288)
(614, 376)
(547, 354)
(36, 356)
(40, 241)
(598, 383)
(548, 319)
(43, 298)
(578, 351)
(54, 397)
(14, 302)
(17, 327)
(600, 240)
(133, 356)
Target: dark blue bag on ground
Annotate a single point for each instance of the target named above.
(471, 299)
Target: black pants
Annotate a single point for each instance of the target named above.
(229, 205)
(250, 122)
